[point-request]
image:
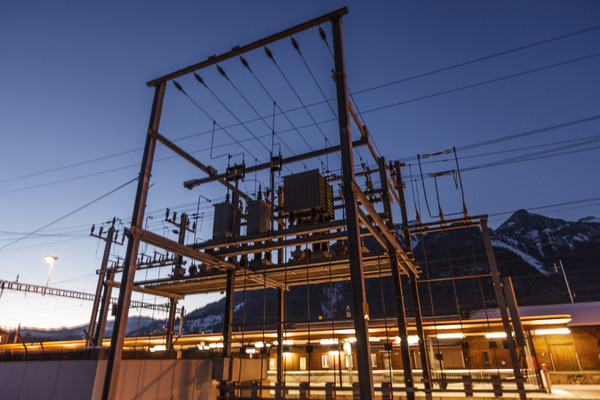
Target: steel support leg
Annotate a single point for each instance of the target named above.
(228, 320)
(280, 339)
(514, 358)
(115, 354)
(361, 309)
(423, 352)
(397, 282)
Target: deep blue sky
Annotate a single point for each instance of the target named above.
(72, 78)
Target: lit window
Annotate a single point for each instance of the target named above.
(349, 361)
(325, 361)
(272, 363)
(302, 363)
(374, 360)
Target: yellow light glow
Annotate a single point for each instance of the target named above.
(329, 341)
(556, 331)
(158, 348)
(495, 335)
(549, 321)
(50, 259)
(334, 353)
(450, 335)
(413, 339)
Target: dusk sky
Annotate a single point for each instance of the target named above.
(74, 109)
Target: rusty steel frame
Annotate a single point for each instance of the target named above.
(355, 266)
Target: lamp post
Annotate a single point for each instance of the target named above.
(50, 260)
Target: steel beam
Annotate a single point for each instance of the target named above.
(289, 160)
(361, 309)
(502, 307)
(195, 162)
(262, 237)
(244, 49)
(408, 266)
(154, 292)
(167, 244)
(115, 354)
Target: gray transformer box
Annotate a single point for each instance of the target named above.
(259, 217)
(308, 191)
(227, 221)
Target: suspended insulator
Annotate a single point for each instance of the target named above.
(269, 53)
(93, 229)
(194, 226)
(167, 213)
(178, 86)
(174, 215)
(199, 78)
(322, 33)
(222, 71)
(243, 60)
(100, 232)
(295, 44)
(113, 221)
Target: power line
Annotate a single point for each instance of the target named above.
(361, 91)
(70, 213)
(178, 86)
(476, 60)
(487, 82)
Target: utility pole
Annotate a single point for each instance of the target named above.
(111, 237)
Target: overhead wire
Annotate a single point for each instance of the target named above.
(323, 36)
(276, 104)
(330, 120)
(70, 213)
(272, 127)
(245, 126)
(479, 59)
(350, 94)
(483, 83)
(180, 88)
(270, 55)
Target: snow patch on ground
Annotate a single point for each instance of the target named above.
(201, 324)
(526, 257)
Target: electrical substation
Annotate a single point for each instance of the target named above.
(322, 214)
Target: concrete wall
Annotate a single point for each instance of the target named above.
(78, 380)
(51, 380)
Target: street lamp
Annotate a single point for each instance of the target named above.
(50, 260)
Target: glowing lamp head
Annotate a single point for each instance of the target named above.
(50, 259)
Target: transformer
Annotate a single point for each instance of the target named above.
(308, 195)
(259, 217)
(227, 221)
